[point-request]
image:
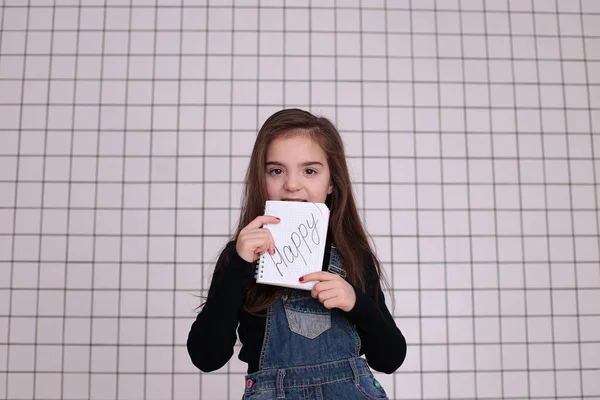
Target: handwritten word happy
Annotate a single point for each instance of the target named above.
(289, 253)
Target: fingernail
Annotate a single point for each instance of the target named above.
(301, 279)
(278, 219)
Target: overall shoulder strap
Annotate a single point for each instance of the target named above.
(335, 263)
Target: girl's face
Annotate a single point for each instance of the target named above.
(296, 170)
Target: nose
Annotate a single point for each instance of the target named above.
(292, 183)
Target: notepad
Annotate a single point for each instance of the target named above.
(299, 243)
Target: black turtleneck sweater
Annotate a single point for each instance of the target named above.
(213, 334)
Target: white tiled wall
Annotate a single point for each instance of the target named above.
(471, 129)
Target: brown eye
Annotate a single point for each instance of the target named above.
(275, 171)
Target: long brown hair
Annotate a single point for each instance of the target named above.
(345, 227)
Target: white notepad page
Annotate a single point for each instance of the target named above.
(299, 243)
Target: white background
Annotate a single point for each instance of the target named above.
(471, 129)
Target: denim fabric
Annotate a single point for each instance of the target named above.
(310, 352)
(345, 379)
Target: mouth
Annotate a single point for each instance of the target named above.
(293, 200)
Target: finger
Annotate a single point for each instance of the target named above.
(271, 241)
(318, 276)
(331, 288)
(326, 295)
(256, 245)
(255, 234)
(331, 303)
(262, 220)
(320, 287)
(326, 285)
(261, 234)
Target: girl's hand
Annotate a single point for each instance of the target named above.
(331, 290)
(253, 241)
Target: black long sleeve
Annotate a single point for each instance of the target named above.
(383, 344)
(213, 334)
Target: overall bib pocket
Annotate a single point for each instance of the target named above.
(307, 321)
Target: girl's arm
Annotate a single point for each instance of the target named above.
(213, 334)
(383, 343)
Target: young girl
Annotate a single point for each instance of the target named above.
(299, 344)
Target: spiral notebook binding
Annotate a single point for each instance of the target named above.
(260, 266)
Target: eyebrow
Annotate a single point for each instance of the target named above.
(304, 164)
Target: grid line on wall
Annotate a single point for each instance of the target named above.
(592, 127)
(230, 139)
(392, 7)
(93, 321)
(389, 172)
(14, 223)
(476, 384)
(542, 132)
(449, 390)
(569, 173)
(361, 52)
(41, 223)
(285, 59)
(204, 116)
(149, 235)
(417, 197)
(520, 197)
(68, 219)
(119, 326)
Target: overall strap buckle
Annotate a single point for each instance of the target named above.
(335, 263)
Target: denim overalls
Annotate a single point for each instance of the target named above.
(310, 352)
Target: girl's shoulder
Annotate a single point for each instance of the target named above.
(227, 250)
(371, 273)
(229, 258)
(369, 268)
